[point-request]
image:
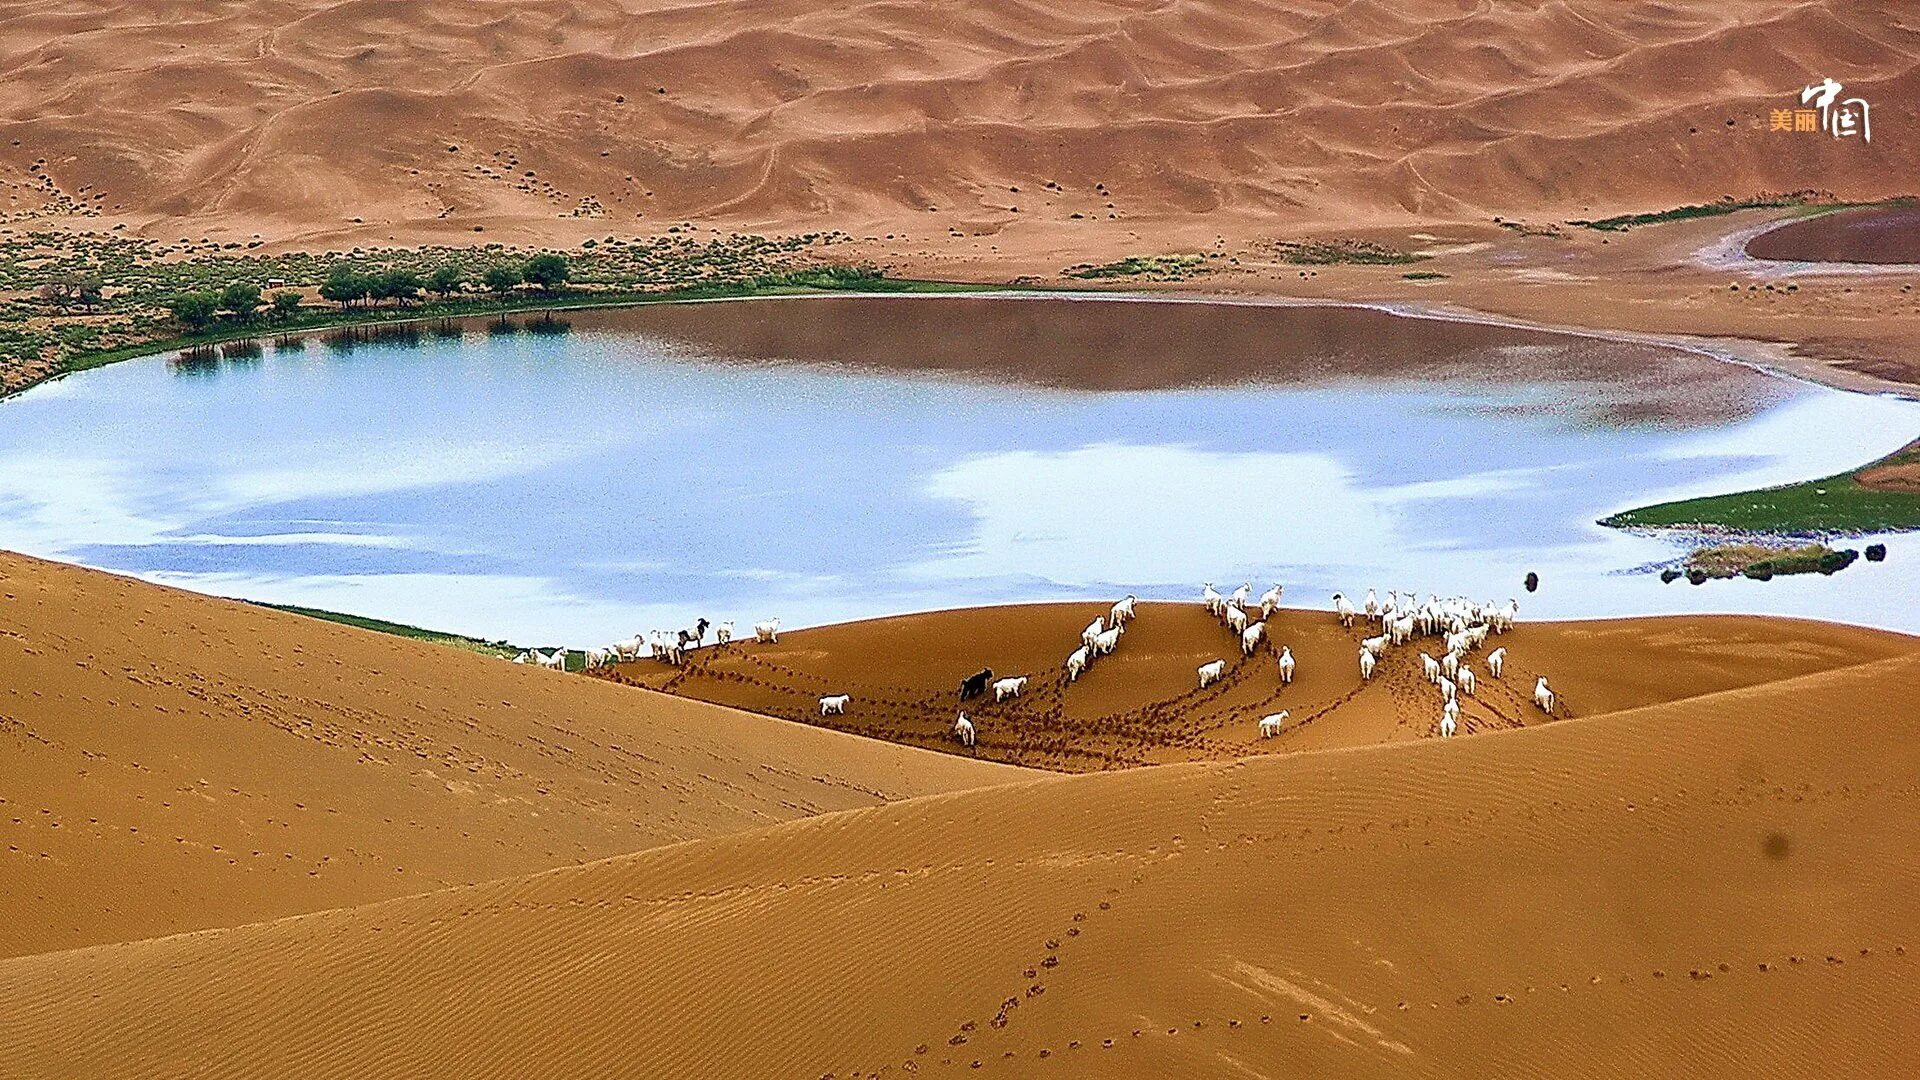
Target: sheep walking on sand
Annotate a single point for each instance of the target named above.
(835, 704)
(1092, 631)
(1366, 664)
(1213, 600)
(1250, 638)
(1343, 608)
(1374, 645)
(1077, 662)
(1449, 720)
(1271, 723)
(1211, 672)
(1010, 687)
(1542, 696)
(1108, 640)
(1429, 667)
(1270, 601)
(768, 631)
(1449, 690)
(724, 634)
(1239, 596)
(1236, 617)
(1122, 612)
(1467, 681)
(963, 730)
(1372, 606)
(1496, 660)
(1286, 665)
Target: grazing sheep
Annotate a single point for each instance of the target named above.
(1271, 723)
(597, 658)
(1366, 664)
(1496, 660)
(1078, 661)
(1344, 609)
(1211, 672)
(1402, 629)
(1449, 690)
(963, 730)
(1213, 600)
(768, 631)
(1006, 688)
(835, 704)
(1270, 601)
(1108, 640)
(1542, 696)
(1286, 665)
(1122, 611)
(1429, 667)
(725, 633)
(1449, 720)
(1467, 681)
(975, 684)
(524, 658)
(555, 661)
(1250, 638)
(1093, 630)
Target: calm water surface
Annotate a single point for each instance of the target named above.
(623, 471)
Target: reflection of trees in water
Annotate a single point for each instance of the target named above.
(244, 351)
(348, 338)
(502, 327)
(548, 326)
(198, 361)
(289, 343)
(448, 328)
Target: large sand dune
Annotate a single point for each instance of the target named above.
(1142, 705)
(170, 762)
(1725, 886)
(312, 117)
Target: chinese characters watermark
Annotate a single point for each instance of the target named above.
(1822, 109)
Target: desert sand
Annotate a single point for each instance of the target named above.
(244, 843)
(174, 762)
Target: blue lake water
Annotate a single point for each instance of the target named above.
(641, 469)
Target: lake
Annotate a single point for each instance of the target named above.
(584, 477)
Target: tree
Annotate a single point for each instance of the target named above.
(395, 285)
(72, 289)
(446, 280)
(194, 310)
(549, 271)
(501, 278)
(285, 305)
(241, 298)
(344, 285)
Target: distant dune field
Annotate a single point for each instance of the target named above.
(311, 117)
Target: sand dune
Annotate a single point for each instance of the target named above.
(300, 119)
(1725, 886)
(173, 762)
(1142, 705)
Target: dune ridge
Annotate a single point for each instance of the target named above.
(305, 118)
(176, 762)
(1571, 900)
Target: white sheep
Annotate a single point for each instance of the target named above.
(1344, 609)
(1236, 617)
(1271, 723)
(1239, 595)
(1006, 688)
(1213, 600)
(555, 661)
(629, 648)
(1211, 672)
(1402, 629)
(1449, 664)
(1123, 610)
(835, 704)
(725, 633)
(1375, 645)
(768, 631)
(1108, 640)
(1467, 681)
(1429, 667)
(1372, 606)
(1286, 665)
(1542, 696)
(1270, 601)
(1366, 664)
(1078, 661)
(1449, 720)
(1496, 660)
(597, 658)
(1093, 630)
(963, 730)
(1449, 690)
(1250, 638)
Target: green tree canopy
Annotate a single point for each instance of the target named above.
(286, 304)
(241, 298)
(395, 285)
(344, 285)
(194, 310)
(501, 278)
(446, 279)
(548, 270)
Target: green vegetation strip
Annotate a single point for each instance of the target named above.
(1837, 504)
(458, 641)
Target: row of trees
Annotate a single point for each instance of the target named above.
(348, 286)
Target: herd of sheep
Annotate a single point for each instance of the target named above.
(1462, 625)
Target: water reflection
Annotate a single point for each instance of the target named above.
(600, 474)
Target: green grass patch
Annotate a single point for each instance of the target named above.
(458, 641)
(1623, 222)
(1833, 505)
(1763, 562)
(1337, 252)
(1423, 275)
(1152, 267)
